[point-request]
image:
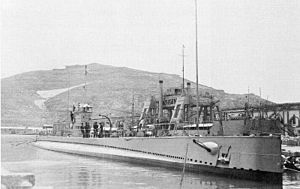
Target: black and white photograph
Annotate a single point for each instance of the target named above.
(156, 94)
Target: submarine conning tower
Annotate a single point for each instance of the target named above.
(80, 116)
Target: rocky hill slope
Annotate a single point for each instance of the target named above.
(38, 97)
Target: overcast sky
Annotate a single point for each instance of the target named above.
(241, 42)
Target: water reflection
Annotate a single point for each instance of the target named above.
(292, 176)
(215, 181)
(291, 180)
(59, 170)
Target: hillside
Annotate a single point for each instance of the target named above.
(34, 98)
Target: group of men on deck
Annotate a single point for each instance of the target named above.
(97, 129)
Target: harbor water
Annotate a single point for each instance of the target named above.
(60, 170)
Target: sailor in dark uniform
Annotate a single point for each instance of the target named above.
(82, 130)
(101, 130)
(87, 129)
(95, 126)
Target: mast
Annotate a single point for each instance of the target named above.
(68, 89)
(132, 111)
(260, 104)
(85, 74)
(259, 92)
(248, 95)
(183, 67)
(197, 82)
(68, 98)
(160, 103)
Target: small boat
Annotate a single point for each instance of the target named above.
(292, 163)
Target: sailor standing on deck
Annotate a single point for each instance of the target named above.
(95, 126)
(87, 129)
(82, 130)
(101, 130)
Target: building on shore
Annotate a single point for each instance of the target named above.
(21, 130)
(287, 113)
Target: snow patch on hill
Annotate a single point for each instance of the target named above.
(52, 93)
(45, 95)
